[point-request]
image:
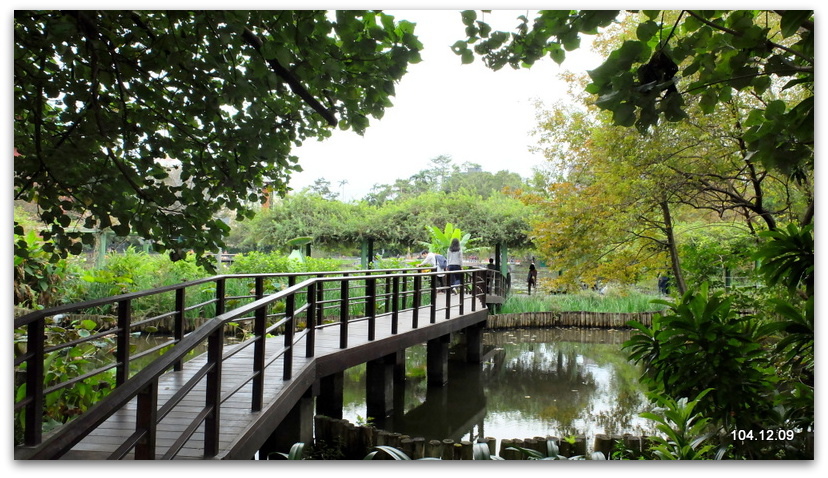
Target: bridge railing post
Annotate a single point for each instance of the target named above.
(462, 293)
(34, 383)
(475, 288)
(290, 320)
(178, 325)
(122, 342)
(404, 292)
(146, 418)
(433, 310)
(449, 292)
(212, 428)
(259, 331)
(259, 287)
(386, 293)
(415, 304)
(371, 306)
(320, 299)
(221, 292)
(395, 304)
(344, 310)
(310, 319)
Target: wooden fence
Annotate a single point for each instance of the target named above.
(356, 441)
(605, 320)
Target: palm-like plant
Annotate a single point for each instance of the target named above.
(685, 431)
(441, 239)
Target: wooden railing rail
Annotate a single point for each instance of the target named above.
(301, 301)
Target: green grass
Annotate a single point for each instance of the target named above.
(586, 301)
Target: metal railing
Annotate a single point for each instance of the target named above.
(294, 311)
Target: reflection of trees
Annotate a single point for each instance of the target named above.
(572, 387)
(557, 383)
(554, 367)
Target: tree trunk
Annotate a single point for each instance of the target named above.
(671, 245)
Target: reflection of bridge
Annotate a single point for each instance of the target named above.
(448, 412)
(232, 401)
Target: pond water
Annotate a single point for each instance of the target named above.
(535, 382)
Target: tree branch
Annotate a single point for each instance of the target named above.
(738, 34)
(291, 80)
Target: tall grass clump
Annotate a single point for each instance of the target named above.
(583, 301)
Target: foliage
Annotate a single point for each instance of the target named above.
(586, 301)
(37, 277)
(718, 76)
(445, 177)
(701, 343)
(162, 124)
(66, 364)
(397, 225)
(481, 451)
(788, 258)
(684, 198)
(297, 452)
(130, 271)
(385, 450)
(265, 263)
(552, 453)
(716, 252)
(441, 239)
(675, 55)
(685, 430)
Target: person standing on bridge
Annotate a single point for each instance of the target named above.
(432, 259)
(454, 257)
(490, 275)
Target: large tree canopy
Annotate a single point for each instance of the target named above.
(677, 54)
(156, 123)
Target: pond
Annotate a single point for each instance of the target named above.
(534, 382)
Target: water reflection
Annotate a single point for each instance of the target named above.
(535, 382)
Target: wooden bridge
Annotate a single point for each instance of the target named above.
(195, 397)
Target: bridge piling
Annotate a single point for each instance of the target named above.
(330, 400)
(379, 377)
(297, 426)
(437, 352)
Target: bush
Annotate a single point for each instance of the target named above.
(702, 343)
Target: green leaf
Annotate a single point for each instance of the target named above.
(468, 17)
(792, 21)
(624, 114)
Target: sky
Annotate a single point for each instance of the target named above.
(441, 107)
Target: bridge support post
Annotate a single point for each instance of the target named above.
(379, 377)
(297, 426)
(330, 399)
(437, 352)
(474, 343)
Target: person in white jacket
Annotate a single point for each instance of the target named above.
(430, 259)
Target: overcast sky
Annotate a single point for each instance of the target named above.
(442, 107)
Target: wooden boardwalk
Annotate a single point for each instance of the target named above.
(242, 432)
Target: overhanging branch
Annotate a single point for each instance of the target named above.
(291, 80)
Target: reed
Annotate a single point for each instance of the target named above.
(585, 301)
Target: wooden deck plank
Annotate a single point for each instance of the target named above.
(236, 417)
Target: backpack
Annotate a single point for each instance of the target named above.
(441, 262)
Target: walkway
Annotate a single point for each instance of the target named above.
(182, 416)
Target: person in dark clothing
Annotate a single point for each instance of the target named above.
(490, 275)
(532, 280)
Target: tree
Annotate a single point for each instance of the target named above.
(677, 54)
(109, 105)
(322, 188)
